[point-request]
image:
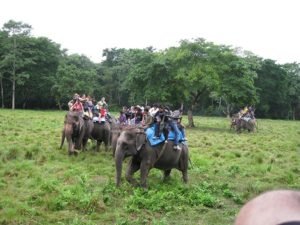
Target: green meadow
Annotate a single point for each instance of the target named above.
(41, 184)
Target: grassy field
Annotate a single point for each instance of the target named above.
(41, 184)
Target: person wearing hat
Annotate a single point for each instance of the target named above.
(173, 123)
(138, 115)
(72, 101)
(77, 106)
(102, 102)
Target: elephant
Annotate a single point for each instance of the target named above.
(77, 132)
(249, 125)
(133, 142)
(101, 133)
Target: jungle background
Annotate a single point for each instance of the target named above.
(204, 78)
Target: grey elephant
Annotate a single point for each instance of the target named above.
(77, 132)
(133, 142)
(249, 125)
(101, 133)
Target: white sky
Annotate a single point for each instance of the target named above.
(268, 28)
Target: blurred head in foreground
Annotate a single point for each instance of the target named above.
(281, 207)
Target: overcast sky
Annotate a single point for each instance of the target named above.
(268, 28)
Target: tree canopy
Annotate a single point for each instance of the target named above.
(199, 76)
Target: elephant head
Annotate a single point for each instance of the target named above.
(249, 125)
(73, 131)
(129, 143)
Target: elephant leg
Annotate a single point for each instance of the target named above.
(132, 167)
(185, 175)
(184, 164)
(166, 175)
(70, 144)
(106, 145)
(98, 146)
(84, 143)
(145, 167)
(71, 148)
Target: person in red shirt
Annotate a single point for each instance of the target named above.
(102, 113)
(77, 106)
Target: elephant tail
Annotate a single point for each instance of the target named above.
(62, 139)
(185, 159)
(191, 162)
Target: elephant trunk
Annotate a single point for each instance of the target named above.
(67, 133)
(62, 139)
(119, 157)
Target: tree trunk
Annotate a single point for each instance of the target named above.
(195, 97)
(13, 94)
(190, 118)
(59, 105)
(2, 92)
(181, 106)
(14, 76)
(228, 111)
(294, 113)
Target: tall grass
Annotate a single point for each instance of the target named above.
(41, 184)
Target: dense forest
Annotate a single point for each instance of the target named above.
(204, 78)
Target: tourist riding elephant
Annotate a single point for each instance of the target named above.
(249, 125)
(133, 142)
(101, 133)
(77, 131)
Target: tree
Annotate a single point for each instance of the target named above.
(36, 92)
(75, 73)
(3, 38)
(15, 58)
(237, 77)
(148, 79)
(272, 86)
(195, 71)
(111, 74)
(293, 90)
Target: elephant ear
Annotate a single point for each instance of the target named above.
(140, 140)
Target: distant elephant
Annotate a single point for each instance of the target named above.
(249, 125)
(77, 131)
(101, 133)
(133, 142)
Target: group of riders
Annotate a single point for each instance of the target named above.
(159, 116)
(245, 114)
